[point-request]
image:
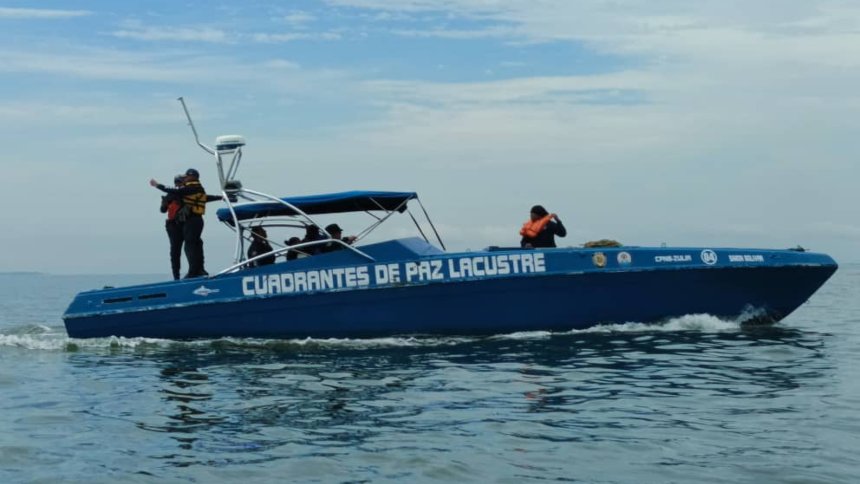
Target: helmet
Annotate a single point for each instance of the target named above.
(178, 179)
(192, 172)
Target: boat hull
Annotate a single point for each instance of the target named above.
(553, 301)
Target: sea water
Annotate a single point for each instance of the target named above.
(697, 399)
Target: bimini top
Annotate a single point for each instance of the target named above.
(354, 201)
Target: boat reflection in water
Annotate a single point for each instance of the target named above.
(248, 402)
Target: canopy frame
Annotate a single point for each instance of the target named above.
(232, 190)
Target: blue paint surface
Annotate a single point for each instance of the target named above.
(413, 288)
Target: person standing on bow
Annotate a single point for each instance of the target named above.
(194, 200)
(541, 229)
(171, 204)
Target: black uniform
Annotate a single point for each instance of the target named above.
(194, 200)
(546, 237)
(312, 234)
(174, 231)
(259, 247)
(333, 246)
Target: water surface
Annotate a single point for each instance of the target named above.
(695, 400)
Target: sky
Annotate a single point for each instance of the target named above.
(715, 123)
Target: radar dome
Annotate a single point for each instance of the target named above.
(229, 142)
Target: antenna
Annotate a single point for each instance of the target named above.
(193, 129)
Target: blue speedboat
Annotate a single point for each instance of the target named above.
(411, 286)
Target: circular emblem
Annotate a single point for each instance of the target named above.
(599, 259)
(624, 258)
(709, 257)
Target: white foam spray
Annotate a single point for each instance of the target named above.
(45, 338)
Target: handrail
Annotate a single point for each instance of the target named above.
(238, 226)
(303, 214)
(238, 252)
(283, 250)
(286, 204)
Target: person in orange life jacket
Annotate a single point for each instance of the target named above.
(194, 200)
(170, 204)
(260, 246)
(336, 233)
(541, 229)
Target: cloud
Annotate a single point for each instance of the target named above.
(164, 67)
(298, 18)
(178, 34)
(17, 113)
(106, 64)
(282, 64)
(772, 30)
(134, 30)
(517, 90)
(36, 13)
(293, 36)
(711, 123)
(440, 33)
(461, 7)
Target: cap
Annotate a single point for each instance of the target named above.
(178, 179)
(333, 228)
(192, 172)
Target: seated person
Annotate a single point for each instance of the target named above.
(312, 233)
(259, 246)
(294, 254)
(336, 233)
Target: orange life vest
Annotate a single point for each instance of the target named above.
(172, 208)
(531, 229)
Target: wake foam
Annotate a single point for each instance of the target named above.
(40, 337)
(704, 323)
